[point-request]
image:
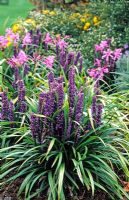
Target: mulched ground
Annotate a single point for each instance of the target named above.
(10, 193)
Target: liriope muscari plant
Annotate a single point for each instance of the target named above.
(63, 150)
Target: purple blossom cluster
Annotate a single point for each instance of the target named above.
(105, 59)
(50, 119)
(67, 59)
(97, 106)
(7, 109)
(21, 97)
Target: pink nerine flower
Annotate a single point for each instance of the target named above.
(48, 39)
(107, 55)
(104, 44)
(98, 72)
(49, 61)
(117, 54)
(12, 36)
(98, 48)
(27, 39)
(62, 44)
(18, 60)
(3, 42)
(97, 62)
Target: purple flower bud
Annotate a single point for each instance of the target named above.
(77, 58)
(60, 101)
(11, 113)
(126, 46)
(5, 106)
(70, 58)
(15, 51)
(39, 35)
(50, 78)
(31, 32)
(62, 57)
(66, 66)
(94, 106)
(81, 64)
(72, 86)
(99, 115)
(35, 40)
(34, 126)
(23, 107)
(26, 69)
(49, 104)
(57, 51)
(60, 79)
(21, 91)
(21, 97)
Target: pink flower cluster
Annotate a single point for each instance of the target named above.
(27, 39)
(19, 60)
(49, 61)
(9, 38)
(57, 41)
(105, 59)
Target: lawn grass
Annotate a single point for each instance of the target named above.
(15, 9)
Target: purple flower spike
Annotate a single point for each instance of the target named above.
(21, 97)
(62, 57)
(42, 98)
(23, 107)
(72, 86)
(60, 101)
(81, 64)
(11, 113)
(60, 79)
(5, 106)
(77, 58)
(99, 115)
(21, 91)
(26, 69)
(49, 104)
(70, 58)
(34, 126)
(57, 52)
(50, 78)
(94, 108)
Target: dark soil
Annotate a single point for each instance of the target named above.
(9, 192)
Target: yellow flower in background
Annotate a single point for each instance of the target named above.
(82, 19)
(16, 28)
(45, 12)
(75, 15)
(52, 13)
(95, 19)
(86, 26)
(30, 21)
(97, 23)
